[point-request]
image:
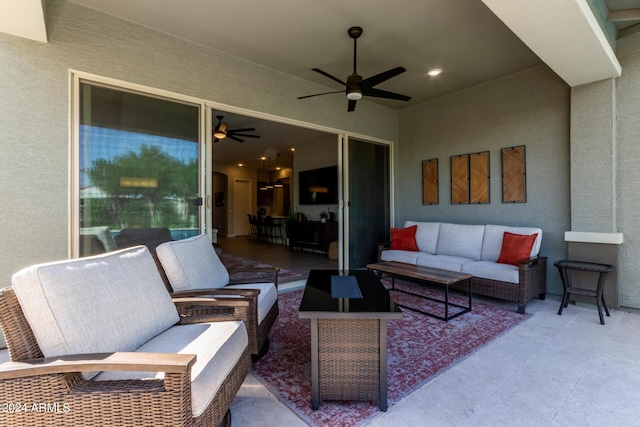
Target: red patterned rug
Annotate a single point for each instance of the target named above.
(233, 261)
(419, 348)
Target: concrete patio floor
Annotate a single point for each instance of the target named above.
(549, 371)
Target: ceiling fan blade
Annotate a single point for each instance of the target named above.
(378, 93)
(352, 105)
(318, 94)
(370, 82)
(244, 135)
(235, 138)
(317, 70)
(241, 130)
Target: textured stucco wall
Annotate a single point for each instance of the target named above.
(530, 108)
(34, 108)
(593, 146)
(628, 172)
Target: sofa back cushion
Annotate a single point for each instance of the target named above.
(493, 240)
(426, 235)
(105, 303)
(192, 264)
(461, 240)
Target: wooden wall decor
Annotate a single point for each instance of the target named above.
(514, 175)
(460, 179)
(430, 182)
(470, 178)
(479, 177)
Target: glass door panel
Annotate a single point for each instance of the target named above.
(139, 161)
(368, 201)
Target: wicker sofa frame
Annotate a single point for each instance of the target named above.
(62, 398)
(532, 282)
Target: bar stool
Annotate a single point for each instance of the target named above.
(252, 228)
(564, 266)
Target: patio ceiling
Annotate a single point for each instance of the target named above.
(473, 41)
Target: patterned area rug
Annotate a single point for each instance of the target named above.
(419, 348)
(232, 261)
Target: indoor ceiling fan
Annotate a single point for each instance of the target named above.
(356, 86)
(221, 131)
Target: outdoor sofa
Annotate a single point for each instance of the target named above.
(476, 249)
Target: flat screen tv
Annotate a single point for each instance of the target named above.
(318, 186)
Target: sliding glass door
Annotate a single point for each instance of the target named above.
(139, 161)
(367, 200)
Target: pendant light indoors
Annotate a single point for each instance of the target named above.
(278, 183)
(269, 183)
(263, 185)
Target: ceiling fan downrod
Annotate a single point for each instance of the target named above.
(354, 33)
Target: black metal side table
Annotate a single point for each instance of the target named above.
(564, 267)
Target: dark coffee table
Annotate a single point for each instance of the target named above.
(348, 337)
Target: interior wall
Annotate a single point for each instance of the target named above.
(220, 184)
(530, 108)
(35, 111)
(314, 153)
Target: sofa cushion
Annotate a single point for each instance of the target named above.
(426, 235)
(404, 239)
(493, 271)
(267, 297)
(460, 240)
(408, 257)
(105, 303)
(192, 264)
(515, 247)
(493, 235)
(218, 347)
(444, 262)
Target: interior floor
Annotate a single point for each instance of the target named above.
(276, 254)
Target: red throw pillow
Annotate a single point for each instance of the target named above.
(516, 247)
(404, 238)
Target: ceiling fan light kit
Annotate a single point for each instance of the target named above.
(220, 131)
(356, 87)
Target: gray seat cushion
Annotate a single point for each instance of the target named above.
(192, 264)
(218, 347)
(111, 302)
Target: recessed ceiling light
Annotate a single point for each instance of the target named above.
(241, 164)
(434, 72)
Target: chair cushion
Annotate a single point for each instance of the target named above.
(266, 298)
(515, 247)
(404, 239)
(426, 235)
(460, 240)
(493, 235)
(493, 271)
(105, 303)
(192, 264)
(218, 347)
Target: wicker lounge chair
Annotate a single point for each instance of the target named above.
(193, 269)
(54, 391)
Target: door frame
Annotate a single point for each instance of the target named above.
(205, 146)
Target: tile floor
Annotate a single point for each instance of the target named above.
(549, 371)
